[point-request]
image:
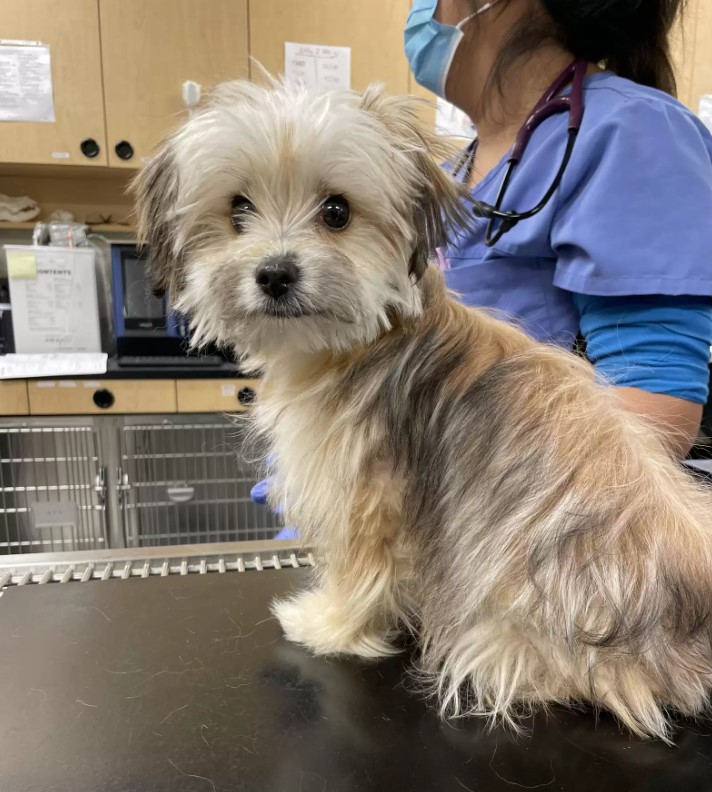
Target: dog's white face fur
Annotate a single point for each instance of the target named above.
(246, 184)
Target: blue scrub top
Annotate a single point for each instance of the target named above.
(633, 214)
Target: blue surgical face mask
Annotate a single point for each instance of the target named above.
(430, 46)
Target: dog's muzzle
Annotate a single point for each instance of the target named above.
(278, 275)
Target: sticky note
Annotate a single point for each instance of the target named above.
(21, 264)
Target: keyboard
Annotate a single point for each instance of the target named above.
(169, 361)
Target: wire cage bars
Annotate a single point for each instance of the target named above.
(185, 480)
(52, 489)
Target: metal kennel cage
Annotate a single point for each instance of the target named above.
(52, 488)
(187, 479)
(72, 484)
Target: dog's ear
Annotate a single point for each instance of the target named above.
(156, 192)
(440, 203)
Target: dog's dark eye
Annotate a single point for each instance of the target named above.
(241, 208)
(335, 213)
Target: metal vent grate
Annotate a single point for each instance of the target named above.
(137, 564)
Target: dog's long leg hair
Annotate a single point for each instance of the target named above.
(359, 601)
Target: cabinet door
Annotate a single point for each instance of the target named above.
(149, 49)
(701, 35)
(111, 397)
(428, 110)
(682, 41)
(71, 28)
(13, 397)
(218, 396)
(372, 28)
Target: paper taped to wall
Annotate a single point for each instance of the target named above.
(56, 364)
(316, 67)
(26, 83)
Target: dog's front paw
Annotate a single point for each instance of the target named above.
(312, 620)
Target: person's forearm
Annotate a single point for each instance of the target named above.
(678, 420)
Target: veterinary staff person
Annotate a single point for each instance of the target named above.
(622, 253)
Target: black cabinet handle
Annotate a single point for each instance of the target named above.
(246, 396)
(124, 150)
(90, 148)
(104, 399)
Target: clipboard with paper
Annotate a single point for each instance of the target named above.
(54, 299)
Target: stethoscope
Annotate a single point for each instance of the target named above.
(552, 102)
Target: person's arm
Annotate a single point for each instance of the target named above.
(656, 349)
(678, 419)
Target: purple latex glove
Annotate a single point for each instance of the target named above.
(259, 494)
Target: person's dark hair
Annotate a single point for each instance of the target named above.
(632, 37)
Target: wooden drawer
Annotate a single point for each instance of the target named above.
(228, 395)
(81, 397)
(13, 398)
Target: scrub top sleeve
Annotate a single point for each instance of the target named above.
(656, 343)
(634, 214)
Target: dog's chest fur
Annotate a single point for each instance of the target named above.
(324, 458)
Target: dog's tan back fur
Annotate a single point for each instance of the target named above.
(571, 562)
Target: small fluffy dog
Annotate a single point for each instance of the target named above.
(454, 476)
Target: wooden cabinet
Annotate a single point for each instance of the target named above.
(118, 66)
(698, 34)
(228, 396)
(71, 29)
(372, 28)
(691, 53)
(149, 49)
(13, 397)
(427, 109)
(86, 397)
(112, 397)
(682, 46)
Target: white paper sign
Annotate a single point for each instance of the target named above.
(452, 122)
(319, 68)
(54, 299)
(52, 365)
(26, 83)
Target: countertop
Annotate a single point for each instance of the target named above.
(186, 684)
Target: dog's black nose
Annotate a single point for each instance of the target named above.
(277, 274)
